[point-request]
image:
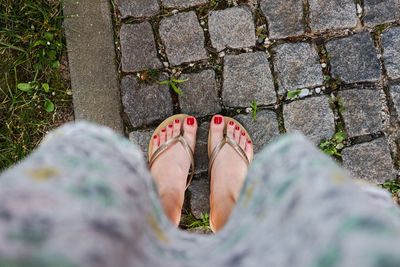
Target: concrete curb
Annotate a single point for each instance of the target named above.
(91, 54)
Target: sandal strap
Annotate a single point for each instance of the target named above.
(233, 144)
(161, 149)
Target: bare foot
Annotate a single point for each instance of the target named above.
(170, 170)
(228, 171)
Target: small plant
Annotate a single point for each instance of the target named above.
(332, 82)
(213, 3)
(293, 94)
(203, 223)
(392, 186)
(254, 109)
(148, 76)
(334, 145)
(172, 82)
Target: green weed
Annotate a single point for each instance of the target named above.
(33, 93)
(254, 109)
(293, 94)
(204, 223)
(172, 82)
(334, 145)
(392, 186)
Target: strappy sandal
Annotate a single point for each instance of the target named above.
(226, 140)
(171, 142)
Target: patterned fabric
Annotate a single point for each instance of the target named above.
(86, 198)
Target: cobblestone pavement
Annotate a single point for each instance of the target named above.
(344, 55)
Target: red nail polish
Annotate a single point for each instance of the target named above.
(190, 121)
(237, 128)
(170, 125)
(163, 130)
(231, 123)
(177, 121)
(243, 134)
(217, 120)
(155, 137)
(249, 142)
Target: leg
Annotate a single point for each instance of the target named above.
(228, 171)
(171, 168)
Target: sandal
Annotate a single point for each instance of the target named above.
(226, 140)
(171, 142)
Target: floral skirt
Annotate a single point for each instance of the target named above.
(86, 198)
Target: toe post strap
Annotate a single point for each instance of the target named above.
(169, 143)
(218, 147)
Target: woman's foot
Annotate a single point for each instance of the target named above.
(228, 171)
(170, 170)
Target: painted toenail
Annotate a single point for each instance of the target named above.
(231, 123)
(237, 128)
(243, 134)
(177, 121)
(163, 130)
(249, 142)
(217, 120)
(170, 125)
(155, 137)
(190, 121)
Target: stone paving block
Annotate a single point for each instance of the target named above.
(380, 11)
(247, 77)
(354, 58)
(261, 131)
(142, 138)
(231, 28)
(362, 111)
(183, 38)
(199, 94)
(201, 149)
(311, 116)
(332, 14)
(391, 54)
(200, 200)
(297, 66)
(145, 104)
(138, 8)
(370, 161)
(285, 18)
(182, 3)
(138, 47)
(395, 93)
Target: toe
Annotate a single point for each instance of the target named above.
(189, 131)
(236, 134)
(156, 143)
(170, 128)
(230, 129)
(163, 136)
(249, 150)
(177, 128)
(242, 140)
(217, 130)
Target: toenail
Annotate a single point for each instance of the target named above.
(170, 125)
(190, 121)
(249, 142)
(243, 134)
(217, 120)
(231, 123)
(163, 130)
(177, 121)
(155, 137)
(237, 128)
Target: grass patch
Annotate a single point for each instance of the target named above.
(34, 91)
